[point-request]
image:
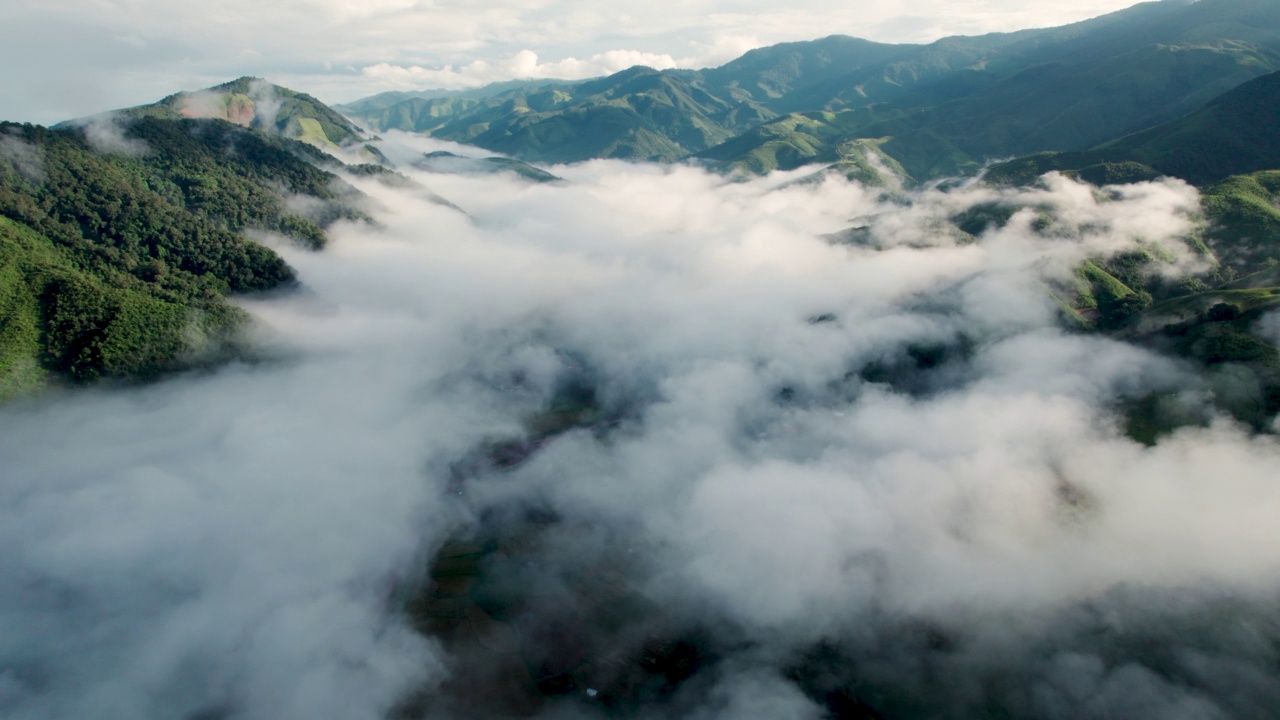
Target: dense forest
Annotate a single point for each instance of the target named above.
(115, 262)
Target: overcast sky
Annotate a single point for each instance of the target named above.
(65, 58)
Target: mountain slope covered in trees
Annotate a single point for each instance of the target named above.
(115, 258)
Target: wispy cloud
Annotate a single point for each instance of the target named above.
(106, 133)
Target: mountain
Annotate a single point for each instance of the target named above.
(1235, 133)
(1064, 89)
(255, 103)
(639, 113)
(121, 236)
(374, 104)
(933, 110)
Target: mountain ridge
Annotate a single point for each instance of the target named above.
(1234, 133)
(937, 109)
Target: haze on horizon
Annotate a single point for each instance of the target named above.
(70, 58)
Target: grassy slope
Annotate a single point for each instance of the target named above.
(1245, 215)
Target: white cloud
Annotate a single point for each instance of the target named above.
(232, 542)
(105, 133)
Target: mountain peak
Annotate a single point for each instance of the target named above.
(257, 103)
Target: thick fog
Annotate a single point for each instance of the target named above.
(768, 461)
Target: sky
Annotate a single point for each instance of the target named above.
(69, 58)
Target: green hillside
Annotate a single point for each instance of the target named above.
(59, 319)
(639, 113)
(1208, 321)
(117, 264)
(1237, 132)
(1244, 211)
(1211, 320)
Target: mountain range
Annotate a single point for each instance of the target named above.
(933, 110)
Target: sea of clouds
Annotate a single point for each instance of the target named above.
(228, 543)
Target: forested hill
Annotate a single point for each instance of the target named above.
(938, 109)
(121, 237)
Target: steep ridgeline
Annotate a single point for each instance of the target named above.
(121, 237)
(926, 110)
(640, 113)
(258, 104)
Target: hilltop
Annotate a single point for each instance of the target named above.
(258, 104)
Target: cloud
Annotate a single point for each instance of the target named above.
(266, 103)
(1269, 328)
(27, 158)
(105, 133)
(825, 519)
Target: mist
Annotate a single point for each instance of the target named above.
(757, 466)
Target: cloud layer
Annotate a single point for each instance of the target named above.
(781, 469)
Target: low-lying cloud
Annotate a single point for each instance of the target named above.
(844, 526)
(105, 133)
(25, 158)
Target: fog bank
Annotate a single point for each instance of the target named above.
(879, 467)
